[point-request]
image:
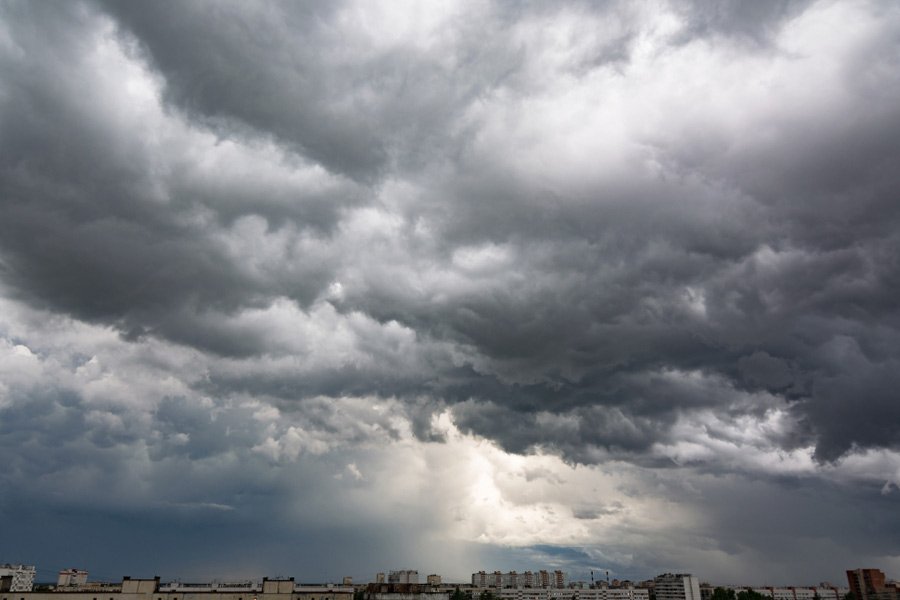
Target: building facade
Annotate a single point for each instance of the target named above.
(152, 589)
(677, 586)
(16, 578)
(870, 584)
(71, 578)
(524, 593)
(528, 579)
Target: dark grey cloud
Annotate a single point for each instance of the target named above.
(665, 236)
(757, 22)
(90, 226)
(316, 79)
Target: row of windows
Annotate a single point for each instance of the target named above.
(161, 598)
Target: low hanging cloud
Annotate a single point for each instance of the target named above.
(245, 243)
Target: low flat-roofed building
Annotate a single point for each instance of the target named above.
(782, 593)
(152, 589)
(597, 593)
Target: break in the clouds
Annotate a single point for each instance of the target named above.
(330, 288)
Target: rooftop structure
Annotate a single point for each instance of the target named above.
(16, 578)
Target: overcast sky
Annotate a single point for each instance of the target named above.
(323, 289)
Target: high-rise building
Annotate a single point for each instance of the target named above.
(405, 576)
(71, 577)
(513, 580)
(559, 579)
(433, 580)
(379, 577)
(869, 584)
(677, 586)
(16, 578)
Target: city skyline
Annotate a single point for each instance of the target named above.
(24, 577)
(332, 287)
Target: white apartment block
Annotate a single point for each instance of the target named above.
(803, 593)
(16, 578)
(796, 593)
(212, 586)
(406, 576)
(512, 579)
(677, 586)
(566, 594)
(629, 593)
(71, 577)
(152, 589)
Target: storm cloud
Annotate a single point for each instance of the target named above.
(576, 266)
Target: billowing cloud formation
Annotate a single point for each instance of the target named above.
(590, 285)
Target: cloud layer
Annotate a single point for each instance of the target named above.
(593, 285)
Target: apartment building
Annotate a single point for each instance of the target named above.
(677, 586)
(16, 578)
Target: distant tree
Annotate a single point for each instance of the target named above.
(750, 595)
(457, 595)
(721, 593)
(359, 594)
(849, 596)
